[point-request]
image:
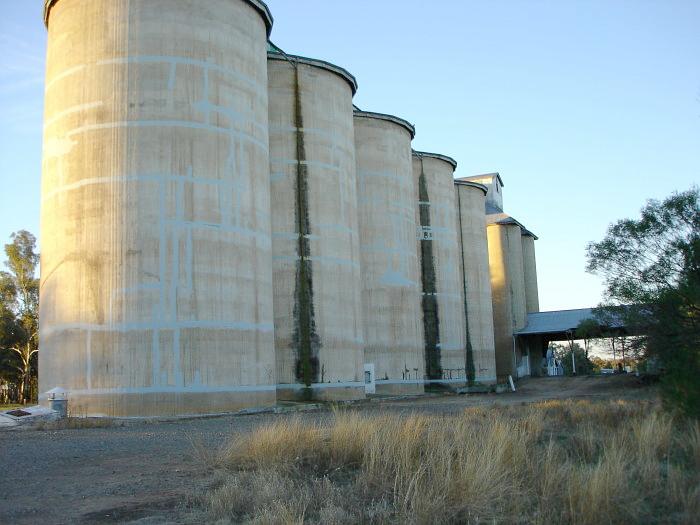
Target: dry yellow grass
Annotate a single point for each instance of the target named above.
(552, 462)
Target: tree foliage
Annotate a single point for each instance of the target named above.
(651, 265)
(19, 312)
(588, 330)
(584, 366)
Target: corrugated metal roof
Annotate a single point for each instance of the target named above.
(558, 321)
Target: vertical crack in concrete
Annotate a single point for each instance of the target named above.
(431, 320)
(469, 365)
(306, 339)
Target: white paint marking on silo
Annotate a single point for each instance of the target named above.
(57, 148)
(63, 74)
(174, 272)
(189, 255)
(394, 278)
(162, 249)
(278, 176)
(195, 388)
(71, 110)
(155, 356)
(177, 365)
(187, 124)
(162, 325)
(171, 78)
(339, 228)
(88, 358)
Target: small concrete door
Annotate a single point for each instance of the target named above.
(370, 385)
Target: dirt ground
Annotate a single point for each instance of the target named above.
(146, 473)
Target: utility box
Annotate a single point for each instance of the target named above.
(370, 384)
(58, 401)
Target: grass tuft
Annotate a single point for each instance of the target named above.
(551, 462)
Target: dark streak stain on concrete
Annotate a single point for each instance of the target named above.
(306, 339)
(431, 319)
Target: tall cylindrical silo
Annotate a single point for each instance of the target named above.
(440, 255)
(508, 292)
(156, 272)
(530, 271)
(316, 259)
(476, 281)
(391, 289)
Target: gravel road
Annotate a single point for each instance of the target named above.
(146, 473)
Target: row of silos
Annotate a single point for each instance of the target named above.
(513, 275)
(221, 227)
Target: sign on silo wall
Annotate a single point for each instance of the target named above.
(156, 281)
(316, 259)
(440, 255)
(391, 279)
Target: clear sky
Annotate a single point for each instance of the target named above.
(586, 107)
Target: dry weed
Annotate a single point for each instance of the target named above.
(553, 462)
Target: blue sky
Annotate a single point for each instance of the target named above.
(586, 108)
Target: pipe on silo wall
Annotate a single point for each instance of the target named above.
(438, 244)
(508, 295)
(316, 259)
(481, 357)
(530, 271)
(391, 289)
(156, 272)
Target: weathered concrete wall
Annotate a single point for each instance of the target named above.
(508, 293)
(481, 356)
(156, 277)
(443, 304)
(391, 279)
(532, 300)
(316, 258)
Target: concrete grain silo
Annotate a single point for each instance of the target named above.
(391, 289)
(316, 259)
(530, 271)
(444, 322)
(156, 276)
(508, 290)
(481, 359)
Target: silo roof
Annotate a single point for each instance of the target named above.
(258, 5)
(438, 156)
(389, 118)
(504, 219)
(460, 182)
(275, 53)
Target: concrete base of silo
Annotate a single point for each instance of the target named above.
(389, 388)
(323, 392)
(167, 404)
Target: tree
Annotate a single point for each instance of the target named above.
(587, 330)
(563, 353)
(19, 308)
(651, 269)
